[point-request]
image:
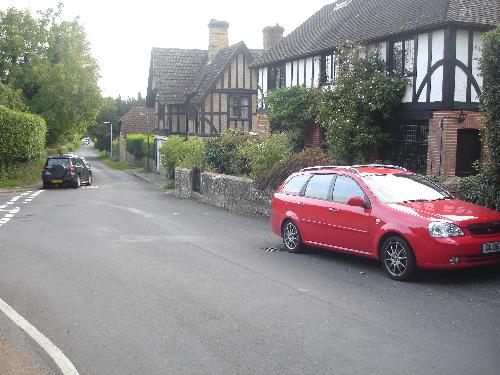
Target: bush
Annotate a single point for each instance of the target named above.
(116, 150)
(310, 157)
(264, 151)
(172, 152)
(192, 154)
(137, 145)
(22, 136)
(221, 153)
(480, 189)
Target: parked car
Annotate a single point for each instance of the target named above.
(387, 213)
(66, 170)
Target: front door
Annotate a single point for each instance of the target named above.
(468, 151)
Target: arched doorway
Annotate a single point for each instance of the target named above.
(468, 151)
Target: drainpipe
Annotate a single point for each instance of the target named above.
(441, 130)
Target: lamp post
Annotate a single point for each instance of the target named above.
(111, 139)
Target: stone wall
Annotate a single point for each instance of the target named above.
(232, 193)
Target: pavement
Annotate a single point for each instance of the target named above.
(157, 179)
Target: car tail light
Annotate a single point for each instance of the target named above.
(71, 167)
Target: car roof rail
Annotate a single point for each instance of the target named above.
(320, 167)
(375, 165)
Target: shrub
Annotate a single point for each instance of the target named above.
(273, 178)
(192, 154)
(172, 152)
(116, 150)
(221, 153)
(22, 136)
(480, 189)
(264, 151)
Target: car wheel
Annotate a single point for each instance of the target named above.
(89, 182)
(291, 237)
(77, 183)
(398, 259)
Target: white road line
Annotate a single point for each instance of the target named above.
(64, 364)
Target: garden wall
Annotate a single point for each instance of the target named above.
(236, 194)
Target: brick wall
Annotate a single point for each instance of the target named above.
(448, 153)
(314, 136)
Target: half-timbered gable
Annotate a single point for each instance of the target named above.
(435, 43)
(204, 93)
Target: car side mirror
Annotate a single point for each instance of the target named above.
(356, 201)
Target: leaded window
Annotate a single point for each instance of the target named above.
(276, 77)
(403, 57)
(239, 108)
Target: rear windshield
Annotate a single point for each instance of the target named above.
(55, 161)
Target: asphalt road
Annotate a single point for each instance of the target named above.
(126, 279)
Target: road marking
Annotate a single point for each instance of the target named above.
(10, 212)
(64, 364)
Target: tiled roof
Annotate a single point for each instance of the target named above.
(372, 20)
(179, 73)
(138, 120)
(174, 72)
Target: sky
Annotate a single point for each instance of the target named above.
(122, 33)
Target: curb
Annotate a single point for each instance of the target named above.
(145, 179)
(20, 189)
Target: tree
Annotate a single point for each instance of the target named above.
(290, 110)
(355, 108)
(11, 99)
(49, 60)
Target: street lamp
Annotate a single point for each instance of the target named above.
(111, 139)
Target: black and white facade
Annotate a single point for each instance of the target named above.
(435, 43)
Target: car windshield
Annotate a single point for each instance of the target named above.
(397, 188)
(62, 161)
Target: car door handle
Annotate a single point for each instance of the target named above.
(331, 209)
(300, 203)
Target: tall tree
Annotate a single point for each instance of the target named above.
(50, 61)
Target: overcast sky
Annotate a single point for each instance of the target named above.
(122, 32)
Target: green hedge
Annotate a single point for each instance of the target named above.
(22, 136)
(137, 145)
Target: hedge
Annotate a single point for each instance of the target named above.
(137, 145)
(22, 136)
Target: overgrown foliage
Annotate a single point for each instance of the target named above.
(290, 110)
(273, 178)
(221, 153)
(194, 150)
(49, 61)
(490, 101)
(358, 104)
(482, 189)
(264, 151)
(171, 152)
(11, 99)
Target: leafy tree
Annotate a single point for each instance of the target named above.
(11, 99)
(356, 107)
(290, 110)
(49, 60)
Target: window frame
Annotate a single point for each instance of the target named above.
(330, 187)
(238, 106)
(365, 196)
(402, 54)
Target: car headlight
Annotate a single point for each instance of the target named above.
(444, 229)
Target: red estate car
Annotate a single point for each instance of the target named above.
(387, 213)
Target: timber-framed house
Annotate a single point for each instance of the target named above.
(204, 92)
(435, 43)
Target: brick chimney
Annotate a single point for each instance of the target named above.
(217, 37)
(272, 35)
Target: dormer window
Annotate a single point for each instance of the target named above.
(341, 4)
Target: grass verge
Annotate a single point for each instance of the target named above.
(101, 155)
(21, 174)
(169, 185)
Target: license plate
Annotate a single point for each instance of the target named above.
(491, 247)
(57, 181)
